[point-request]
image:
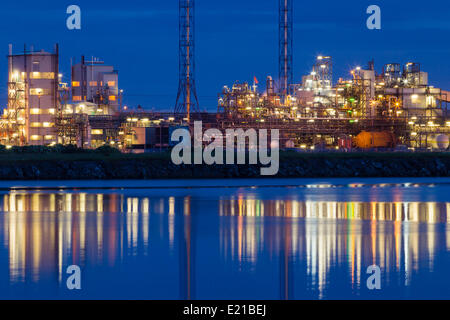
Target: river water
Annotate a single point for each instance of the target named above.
(226, 239)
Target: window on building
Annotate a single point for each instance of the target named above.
(35, 137)
(35, 111)
(35, 124)
(75, 83)
(47, 124)
(112, 98)
(96, 131)
(49, 137)
(42, 75)
(76, 98)
(111, 83)
(39, 92)
(93, 83)
(36, 66)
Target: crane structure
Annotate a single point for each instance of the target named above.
(187, 100)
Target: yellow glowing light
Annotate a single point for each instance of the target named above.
(96, 131)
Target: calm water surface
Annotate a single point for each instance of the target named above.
(218, 240)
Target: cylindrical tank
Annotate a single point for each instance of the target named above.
(383, 139)
(440, 141)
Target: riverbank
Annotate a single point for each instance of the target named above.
(106, 166)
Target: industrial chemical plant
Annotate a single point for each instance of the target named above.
(392, 108)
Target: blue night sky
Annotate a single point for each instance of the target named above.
(236, 40)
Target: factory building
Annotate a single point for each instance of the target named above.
(89, 119)
(366, 109)
(95, 82)
(398, 102)
(32, 98)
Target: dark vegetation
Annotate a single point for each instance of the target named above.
(69, 162)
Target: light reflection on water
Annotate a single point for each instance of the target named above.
(250, 244)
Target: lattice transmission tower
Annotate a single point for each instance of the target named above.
(187, 100)
(285, 46)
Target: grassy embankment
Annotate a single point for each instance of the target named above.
(33, 163)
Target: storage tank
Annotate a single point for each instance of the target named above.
(383, 139)
(440, 141)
